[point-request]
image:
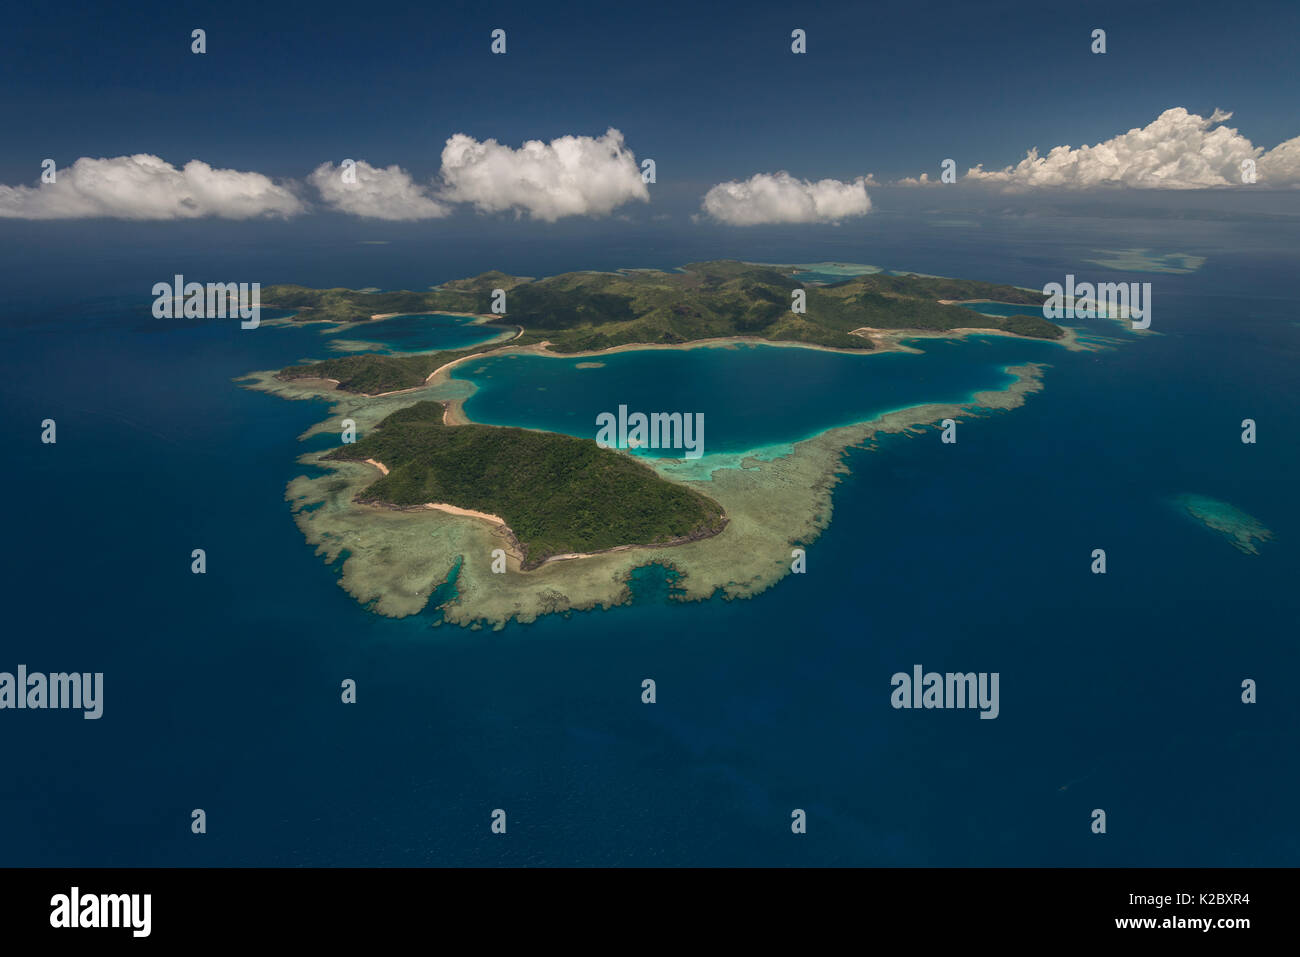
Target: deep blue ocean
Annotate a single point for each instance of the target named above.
(1119, 692)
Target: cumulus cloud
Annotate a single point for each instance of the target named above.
(375, 193)
(1280, 166)
(1178, 150)
(146, 187)
(923, 180)
(781, 198)
(569, 176)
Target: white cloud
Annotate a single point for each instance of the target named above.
(1280, 166)
(146, 187)
(376, 193)
(1178, 150)
(781, 198)
(924, 180)
(570, 176)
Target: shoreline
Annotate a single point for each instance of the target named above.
(885, 340)
(428, 380)
(891, 340)
(515, 552)
(479, 317)
(501, 526)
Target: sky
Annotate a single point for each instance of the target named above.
(712, 95)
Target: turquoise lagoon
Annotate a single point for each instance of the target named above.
(751, 396)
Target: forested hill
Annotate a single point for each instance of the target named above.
(558, 494)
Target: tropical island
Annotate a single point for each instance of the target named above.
(581, 312)
(553, 495)
(424, 502)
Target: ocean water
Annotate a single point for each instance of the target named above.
(1119, 692)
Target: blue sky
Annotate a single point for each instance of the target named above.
(711, 93)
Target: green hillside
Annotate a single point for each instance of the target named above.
(558, 494)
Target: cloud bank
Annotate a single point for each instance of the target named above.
(387, 193)
(1178, 150)
(570, 176)
(146, 187)
(593, 176)
(781, 198)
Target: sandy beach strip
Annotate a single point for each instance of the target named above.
(499, 526)
(447, 365)
(890, 340)
(479, 316)
(495, 520)
(469, 513)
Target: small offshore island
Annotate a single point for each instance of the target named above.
(425, 500)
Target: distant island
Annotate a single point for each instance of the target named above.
(580, 312)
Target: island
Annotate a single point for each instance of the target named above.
(553, 496)
(495, 523)
(582, 312)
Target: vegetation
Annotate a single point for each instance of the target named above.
(589, 311)
(342, 305)
(1033, 327)
(372, 374)
(558, 494)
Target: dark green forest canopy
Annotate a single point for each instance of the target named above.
(588, 311)
(558, 494)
